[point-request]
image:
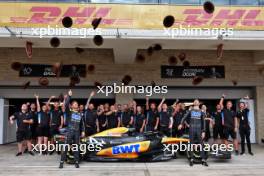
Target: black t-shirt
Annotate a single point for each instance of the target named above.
(43, 119)
(152, 117)
(126, 117)
(55, 117)
(177, 118)
(165, 118)
(243, 117)
(139, 119)
(19, 117)
(34, 115)
(112, 120)
(101, 119)
(228, 118)
(217, 119)
(90, 117)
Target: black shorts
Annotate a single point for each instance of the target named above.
(23, 135)
(218, 131)
(54, 130)
(43, 131)
(229, 132)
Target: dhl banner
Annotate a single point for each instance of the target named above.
(129, 16)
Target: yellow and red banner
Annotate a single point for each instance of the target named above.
(129, 16)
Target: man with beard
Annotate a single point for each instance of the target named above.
(113, 120)
(24, 120)
(196, 130)
(152, 116)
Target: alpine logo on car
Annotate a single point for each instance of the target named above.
(134, 148)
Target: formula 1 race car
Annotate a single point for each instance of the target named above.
(124, 144)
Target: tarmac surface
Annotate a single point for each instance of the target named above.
(26, 164)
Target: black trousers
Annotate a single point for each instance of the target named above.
(196, 138)
(72, 137)
(166, 131)
(245, 135)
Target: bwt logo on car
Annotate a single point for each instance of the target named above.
(126, 149)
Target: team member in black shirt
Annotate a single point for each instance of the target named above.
(244, 128)
(113, 119)
(177, 117)
(166, 119)
(90, 118)
(152, 116)
(43, 127)
(33, 113)
(217, 125)
(127, 116)
(23, 120)
(102, 117)
(229, 121)
(75, 126)
(139, 120)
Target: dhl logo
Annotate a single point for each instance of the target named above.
(226, 17)
(147, 17)
(80, 15)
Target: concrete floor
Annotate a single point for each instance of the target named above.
(48, 165)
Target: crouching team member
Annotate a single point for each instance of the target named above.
(196, 130)
(75, 126)
(244, 128)
(139, 120)
(166, 119)
(23, 133)
(43, 127)
(152, 116)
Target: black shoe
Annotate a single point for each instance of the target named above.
(242, 153)
(252, 154)
(19, 153)
(191, 163)
(236, 152)
(25, 151)
(204, 163)
(59, 153)
(31, 153)
(61, 165)
(77, 165)
(44, 153)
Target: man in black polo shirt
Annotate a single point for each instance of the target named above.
(139, 120)
(90, 117)
(33, 113)
(229, 121)
(43, 125)
(24, 120)
(166, 119)
(56, 119)
(127, 116)
(217, 125)
(244, 128)
(152, 116)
